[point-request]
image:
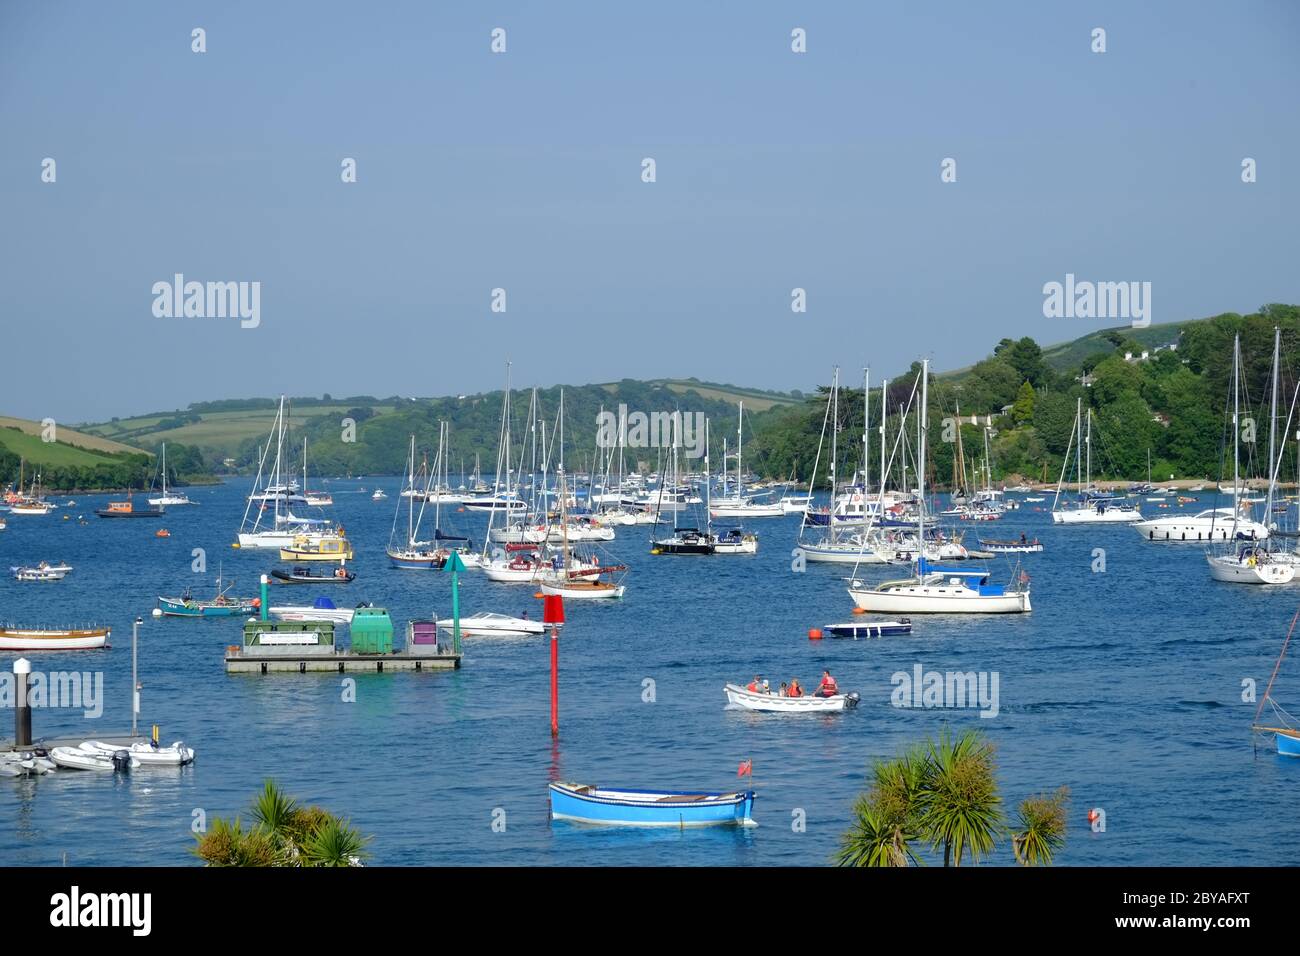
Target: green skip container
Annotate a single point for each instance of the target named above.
(372, 631)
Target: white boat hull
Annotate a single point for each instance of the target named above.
(1234, 571)
(941, 598)
(338, 615)
(582, 594)
(776, 704)
(1093, 516)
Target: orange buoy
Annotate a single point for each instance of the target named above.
(162, 533)
(539, 595)
(814, 633)
(859, 610)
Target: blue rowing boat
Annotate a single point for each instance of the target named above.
(856, 630)
(650, 808)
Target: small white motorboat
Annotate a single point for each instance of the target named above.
(177, 755)
(322, 610)
(488, 624)
(776, 704)
(74, 758)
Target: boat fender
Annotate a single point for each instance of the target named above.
(814, 633)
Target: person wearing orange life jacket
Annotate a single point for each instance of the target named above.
(755, 686)
(794, 690)
(828, 687)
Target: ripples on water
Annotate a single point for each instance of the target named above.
(1125, 686)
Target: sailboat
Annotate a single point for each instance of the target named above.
(31, 502)
(846, 540)
(684, 539)
(173, 498)
(573, 580)
(1286, 737)
(935, 589)
(279, 495)
(1091, 506)
(413, 554)
(1250, 563)
(738, 506)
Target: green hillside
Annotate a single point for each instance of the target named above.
(74, 461)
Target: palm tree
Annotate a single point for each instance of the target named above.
(1042, 828)
(285, 833)
(945, 793)
(961, 808)
(335, 844)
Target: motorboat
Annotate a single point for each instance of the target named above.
(859, 630)
(650, 808)
(778, 704)
(735, 541)
(1212, 524)
(146, 754)
(322, 610)
(74, 758)
(305, 575)
(489, 624)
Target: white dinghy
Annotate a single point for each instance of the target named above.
(176, 755)
(776, 704)
(74, 758)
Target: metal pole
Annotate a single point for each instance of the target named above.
(555, 681)
(23, 712)
(135, 684)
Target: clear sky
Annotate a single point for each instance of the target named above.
(523, 171)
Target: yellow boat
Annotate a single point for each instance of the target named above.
(317, 548)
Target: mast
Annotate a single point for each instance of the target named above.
(920, 464)
(740, 447)
(884, 409)
(866, 430)
(1078, 448)
(1236, 408)
(1272, 422)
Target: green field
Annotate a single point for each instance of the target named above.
(218, 434)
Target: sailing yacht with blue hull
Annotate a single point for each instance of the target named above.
(650, 808)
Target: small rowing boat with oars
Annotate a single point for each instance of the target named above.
(778, 704)
(650, 808)
(57, 639)
(1023, 546)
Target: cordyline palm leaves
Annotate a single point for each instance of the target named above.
(944, 793)
(284, 834)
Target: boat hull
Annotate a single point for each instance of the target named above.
(776, 704)
(1233, 571)
(1288, 745)
(578, 592)
(939, 599)
(176, 607)
(642, 808)
(22, 639)
(858, 630)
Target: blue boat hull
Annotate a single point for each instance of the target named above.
(645, 808)
(1287, 745)
(175, 608)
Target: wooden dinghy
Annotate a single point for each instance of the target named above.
(58, 639)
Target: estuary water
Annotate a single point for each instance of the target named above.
(1124, 684)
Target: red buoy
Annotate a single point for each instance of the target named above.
(814, 633)
(859, 610)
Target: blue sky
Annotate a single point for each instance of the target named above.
(522, 171)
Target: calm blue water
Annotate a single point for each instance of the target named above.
(1125, 686)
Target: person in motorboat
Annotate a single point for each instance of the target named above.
(827, 687)
(784, 689)
(767, 688)
(1023, 540)
(755, 686)
(794, 690)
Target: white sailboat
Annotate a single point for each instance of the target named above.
(935, 589)
(173, 498)
(286, 528)
(1250, 563)
(1091, 506)
(737, 505)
